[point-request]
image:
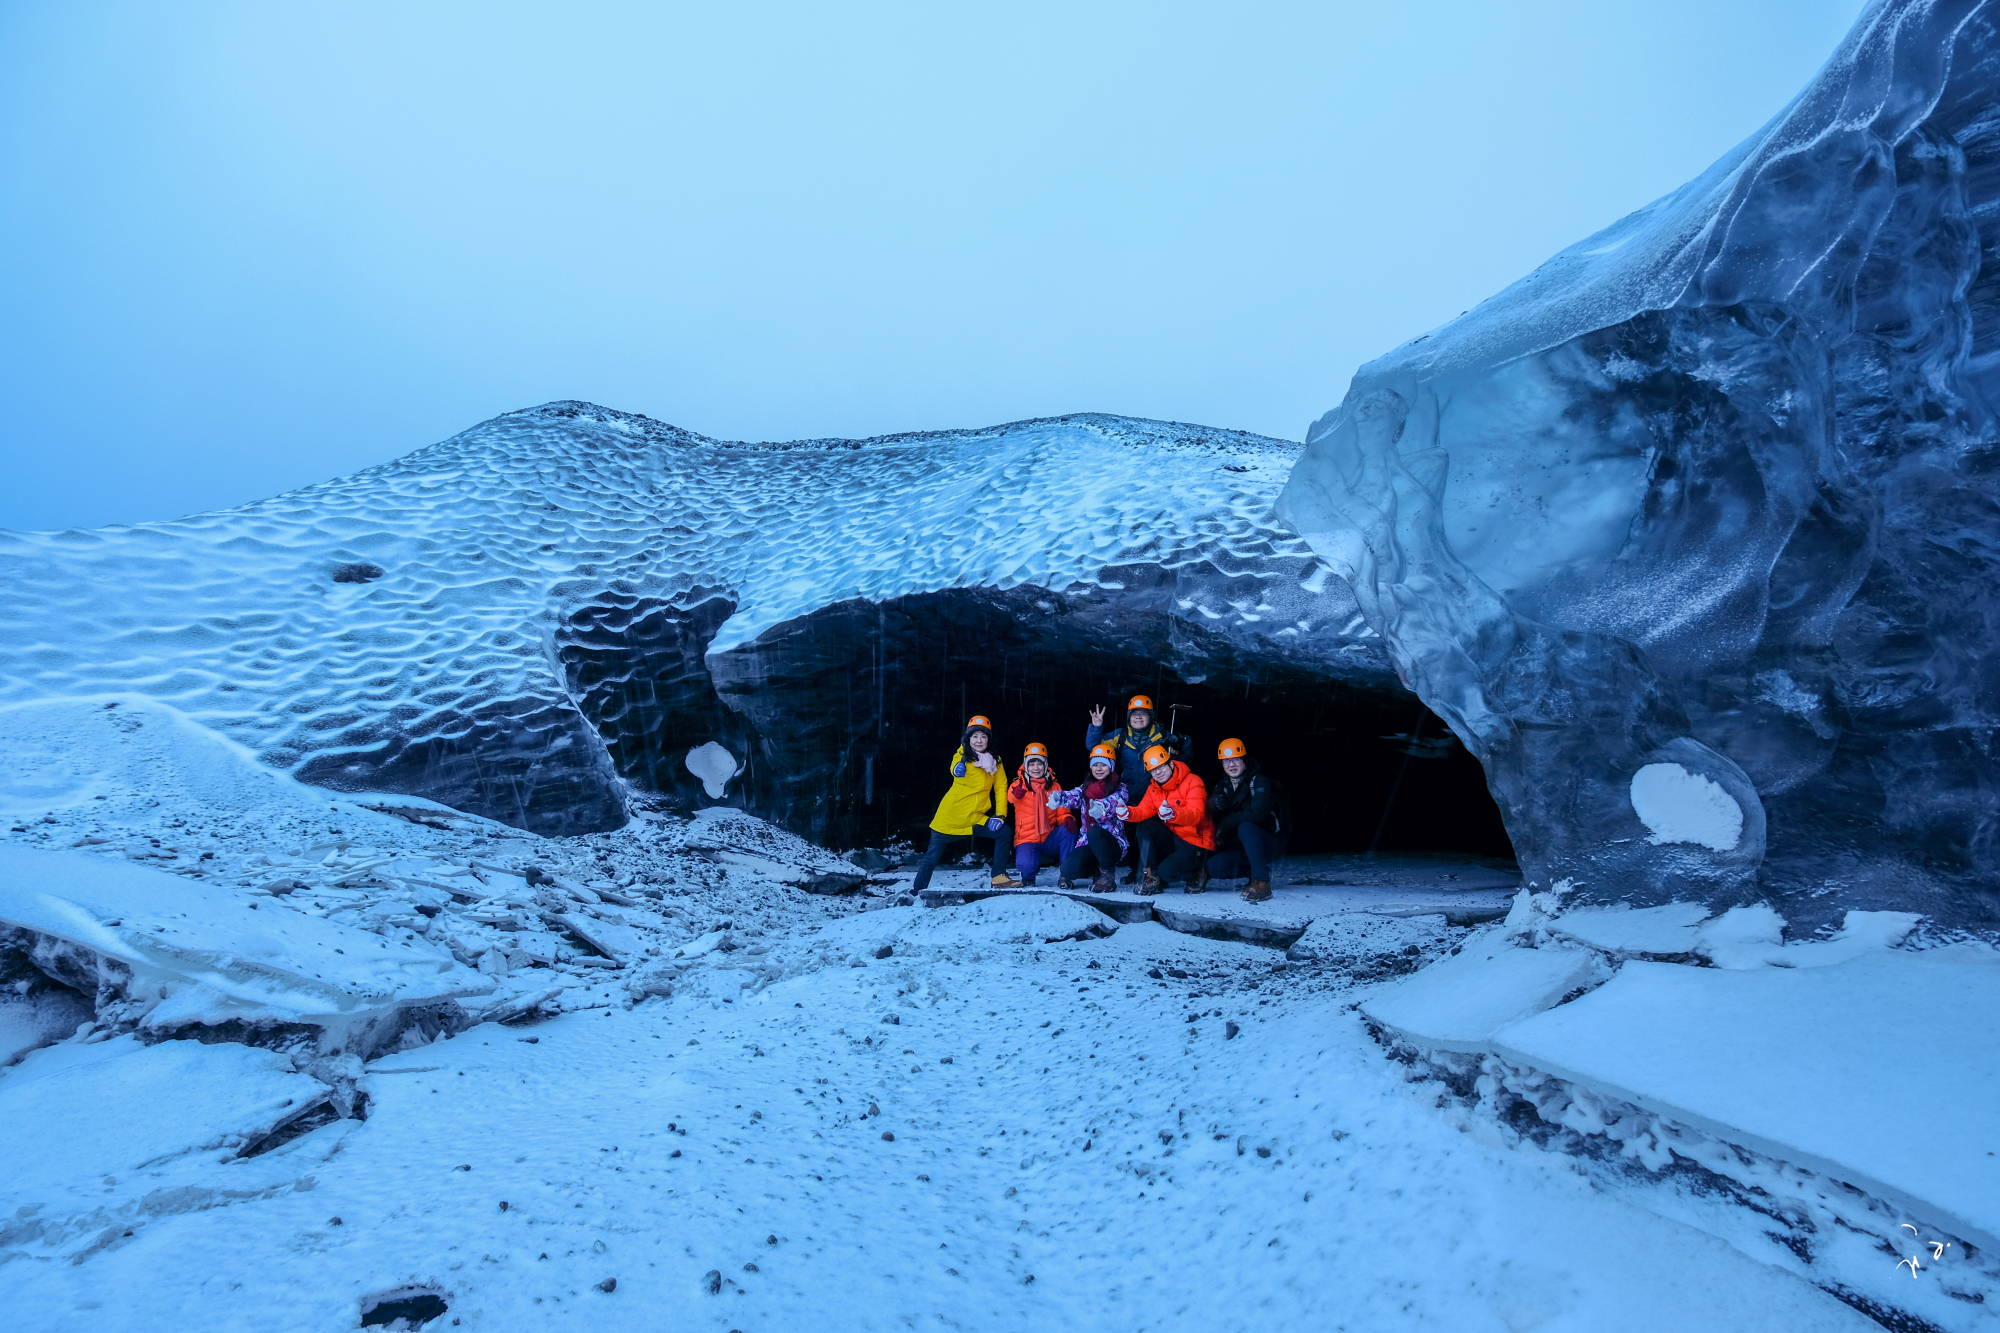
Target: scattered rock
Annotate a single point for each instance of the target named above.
(359, 572)
(1229, 1030)
(608, 1286)
(888, 1136)
(892, 1018)
(884, 951)
(711, 1282)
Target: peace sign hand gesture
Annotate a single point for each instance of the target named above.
(1097, 716)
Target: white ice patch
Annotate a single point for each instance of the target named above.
(1457, 1003)
(209, 953)
(714, 765)
(1008, 919)
(74, 1114)
(1669, 928)
(1679, 806)
(1879, 1071)
(84, 752)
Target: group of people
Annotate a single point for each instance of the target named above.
(1141, 806)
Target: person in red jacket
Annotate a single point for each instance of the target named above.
(1180, 800)
(1043, 829)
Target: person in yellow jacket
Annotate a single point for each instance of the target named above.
(974, 806)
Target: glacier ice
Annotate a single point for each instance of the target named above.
(1715, 490)
(568, 600)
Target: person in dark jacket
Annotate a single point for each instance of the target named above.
(1247, 807)
(1149, 839)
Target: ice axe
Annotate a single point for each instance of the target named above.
(1175, 740)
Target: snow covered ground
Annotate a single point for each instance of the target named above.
(749, 1106)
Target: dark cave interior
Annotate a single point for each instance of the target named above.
(846, 719)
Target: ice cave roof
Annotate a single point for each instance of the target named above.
(487, 540)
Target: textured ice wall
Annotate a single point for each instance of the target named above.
(1710, 497)
(460, 623)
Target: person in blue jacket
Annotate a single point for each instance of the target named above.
(1151, 842)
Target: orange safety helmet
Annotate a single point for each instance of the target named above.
(1139, 701)
(1035, 750)
(981, 721)
(1155, 756)
(1108, 753)
(1232, 749)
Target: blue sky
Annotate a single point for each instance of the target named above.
(244, 247)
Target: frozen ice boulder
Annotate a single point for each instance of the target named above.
(1690, 534)
(168, 954)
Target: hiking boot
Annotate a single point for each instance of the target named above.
(1066, 885)
(1151, 883)
(1199, 884)
(1258, 892)
(1004, 880)
(1105, 882)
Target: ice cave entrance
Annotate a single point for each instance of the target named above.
(842, 720)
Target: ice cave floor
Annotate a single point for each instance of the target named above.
(694, 1095)
(725, 1155)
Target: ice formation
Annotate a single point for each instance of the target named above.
(1715, 488)
(561, 604)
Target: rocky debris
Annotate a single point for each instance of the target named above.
(525, 925)
(734, 839)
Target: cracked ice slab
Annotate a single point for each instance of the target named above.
(1459, 1003)
(209, 954)
(73, 1114)
(1880, 1071)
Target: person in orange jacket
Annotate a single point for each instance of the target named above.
(1180, 801)
(1043, 832)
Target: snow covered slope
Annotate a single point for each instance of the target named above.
(401, 629)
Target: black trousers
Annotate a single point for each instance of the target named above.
(1152, 842)
(1097, 854)
(1184, 862)
(1003, 852)
(1246, 845)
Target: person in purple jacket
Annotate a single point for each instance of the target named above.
(1100, 804)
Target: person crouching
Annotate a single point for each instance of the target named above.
(1180, 801)
(1100, 807)
(1043, 832)
(974, 806)
(1252, 820)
